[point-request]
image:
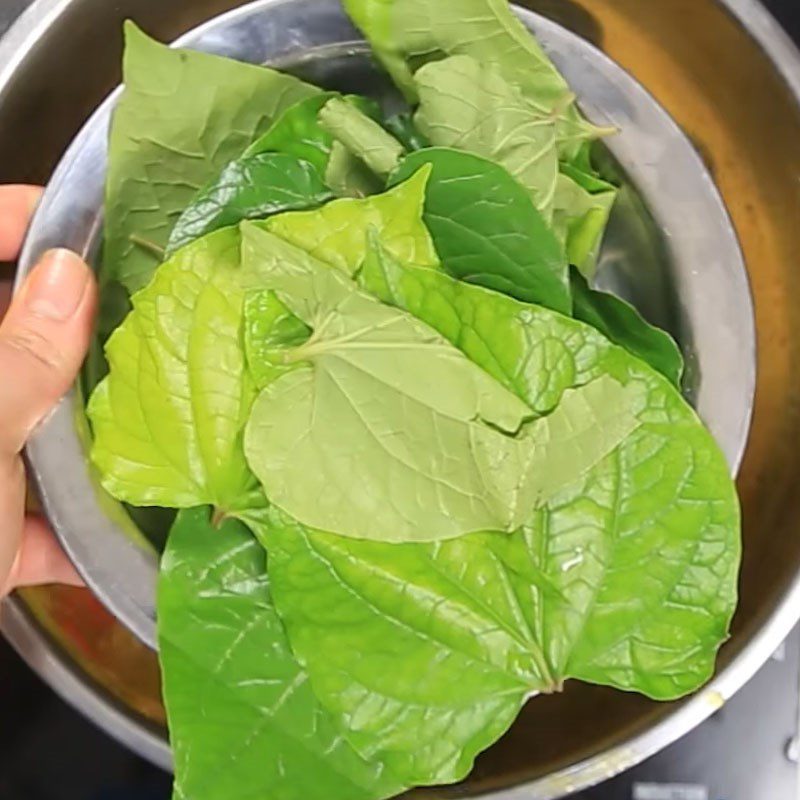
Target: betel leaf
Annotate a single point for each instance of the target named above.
(243, 719)
(405, 34)
(361, 135)
(624, 325)
(348, 176)
(252, 187)
(297, 132)
(415, 667)
(269, 329)
(643, 557)
(469, 106)
(344, 442)
(402, 127)
(168, 418)
(626, 578)
(411, 31)
(337, 232)
(486, 229)
(580, 219)
(182, 117)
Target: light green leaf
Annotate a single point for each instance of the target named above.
(486, 229)
(579, 220)
(182, 117)
(243, 719)
(640, 563)
(469, 106)
(486, 30)
(622, 324)
(337, 232)
(269, 329)
(251, 187)
(405, 34)
(348, 176)
(361, 135)
(168, 419)
(345, 443)
(625, 578)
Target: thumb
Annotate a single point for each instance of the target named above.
(43, 340)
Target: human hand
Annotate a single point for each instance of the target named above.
(43, 340)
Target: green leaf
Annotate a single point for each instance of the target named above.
(405, 34)
(418, 670)
(337, 232)
(626, 578)
(243, 719)
(344, 443)
(469, 106)
(297, 132)
(412, 31)
(580, 219)
(402, 127)
(269, 329)
(182, 117)
(486, 229)
(168, 419)
(361, 135)
(348, 176)
(644, 556)
(252, 187)
(587, 178)
(622, 324)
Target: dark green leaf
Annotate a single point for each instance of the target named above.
(252, 187)
(402, 127)
(622, 324)
(244, 722)
(487, 231)
(297, 132)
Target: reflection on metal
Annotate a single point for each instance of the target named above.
(669, 791)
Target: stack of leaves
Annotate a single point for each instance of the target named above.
(424, 471)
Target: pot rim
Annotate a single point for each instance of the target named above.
(32, 643)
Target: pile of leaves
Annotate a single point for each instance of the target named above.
(423, 470)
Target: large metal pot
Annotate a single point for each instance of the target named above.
(732, 79)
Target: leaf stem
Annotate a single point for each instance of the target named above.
(146, 244)
(218, 517)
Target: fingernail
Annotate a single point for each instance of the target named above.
(56, 285)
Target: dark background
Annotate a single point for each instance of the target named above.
(745, 752)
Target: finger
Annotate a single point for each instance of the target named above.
(12, 512)
(43, 340)
(40, 559)
(17, 204)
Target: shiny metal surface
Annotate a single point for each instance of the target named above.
(739, 105)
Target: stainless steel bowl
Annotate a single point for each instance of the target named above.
(698, 58)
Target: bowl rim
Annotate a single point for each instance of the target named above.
(784, 55)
